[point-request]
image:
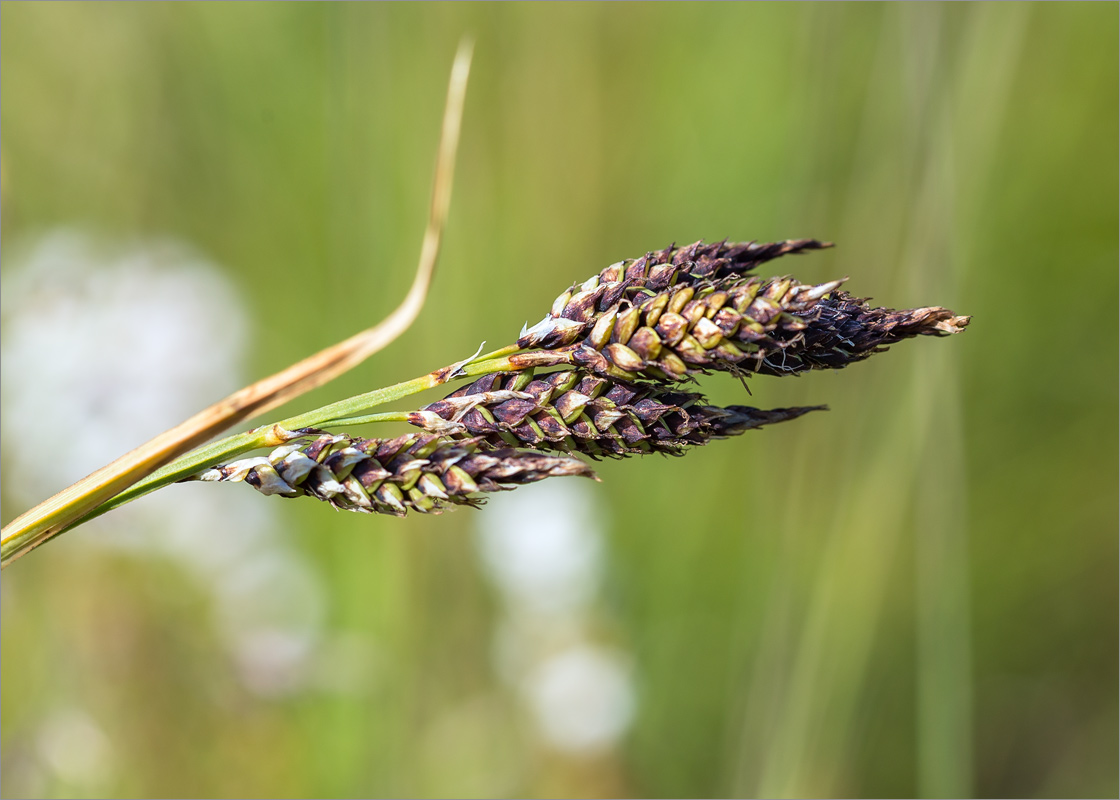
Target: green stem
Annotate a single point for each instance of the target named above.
(187, 465)
(388, 416)
(349, 411)
(508, 350)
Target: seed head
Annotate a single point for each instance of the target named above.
(681, 311)
(576, 412)
(422, 472)
(743, 325)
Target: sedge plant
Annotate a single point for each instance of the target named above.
(610, 371)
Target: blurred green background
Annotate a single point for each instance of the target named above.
(912, 594)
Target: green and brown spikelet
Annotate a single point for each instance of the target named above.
(421, 472)
(576, 412)
(665, 318)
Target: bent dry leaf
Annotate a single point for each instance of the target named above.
(71, 505)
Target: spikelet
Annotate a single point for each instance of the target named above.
(576, 412)
(682, 311)
(774, 327)
(421, 472)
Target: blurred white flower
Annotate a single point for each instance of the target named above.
(543, 548)
(271, 610)
(104, 348)
(542, 545)
(72, 746)
(582, 698)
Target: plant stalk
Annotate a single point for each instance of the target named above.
(19, 540)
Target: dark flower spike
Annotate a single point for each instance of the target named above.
(846, 330)
(709, 261)
(575, 412)
(681, 311)
(421, 472)
(743, 325)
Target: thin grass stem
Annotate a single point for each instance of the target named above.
(366, 419)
